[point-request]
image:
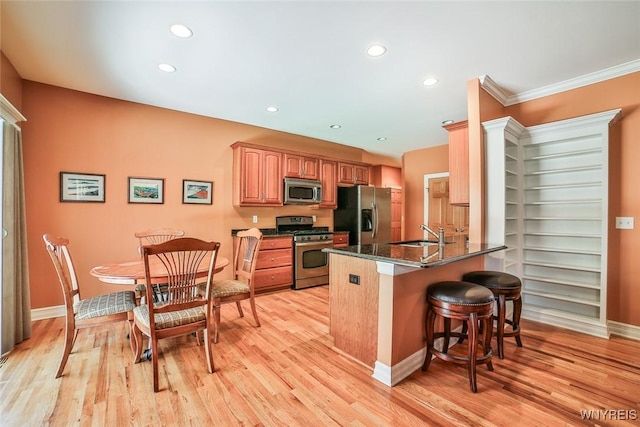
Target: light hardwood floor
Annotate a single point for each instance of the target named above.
(286, 374)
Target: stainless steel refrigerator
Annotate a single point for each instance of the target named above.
(365, 212)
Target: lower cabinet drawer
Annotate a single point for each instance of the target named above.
(274, 258)
(273, 277)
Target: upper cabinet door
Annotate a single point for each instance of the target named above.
(353, 174)
(296, 166)
(329, 178)
(272, 176)
(257, 177)
(458, 163)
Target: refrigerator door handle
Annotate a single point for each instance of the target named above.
(374, 208)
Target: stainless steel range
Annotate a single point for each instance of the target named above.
(311, 265)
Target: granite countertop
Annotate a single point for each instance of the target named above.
(456, 249)
(272, 232)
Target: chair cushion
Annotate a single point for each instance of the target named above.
(493, 279)
(458, 292)
(227, 288)
(170, 319)
(104, 305)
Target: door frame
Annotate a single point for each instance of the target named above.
(425, 212)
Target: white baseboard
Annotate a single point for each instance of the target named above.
(562, 320)
(624, 330)
(48, 312)
(392, 375)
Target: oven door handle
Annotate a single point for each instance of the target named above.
(326, 244)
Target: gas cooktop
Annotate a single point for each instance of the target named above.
(298, 225)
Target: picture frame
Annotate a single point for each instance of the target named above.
(146, 190)
(197, 192)
(82, 187)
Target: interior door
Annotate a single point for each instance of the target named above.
(454, 219)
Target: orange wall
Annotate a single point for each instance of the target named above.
(622, 92)
(10, 82)
(415, 165)
(79, 132)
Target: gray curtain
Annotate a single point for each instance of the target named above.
(16, 304)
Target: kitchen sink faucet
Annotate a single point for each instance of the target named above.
(439, 235)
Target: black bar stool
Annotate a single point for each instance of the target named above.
(505, 287)
(470, 303)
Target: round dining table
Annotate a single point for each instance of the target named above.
(132, 272)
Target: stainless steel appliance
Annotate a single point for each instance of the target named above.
(302, 191)
(365, 212)
(310, 264)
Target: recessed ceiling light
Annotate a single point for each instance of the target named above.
(382, 138)
(167, 68)
(376, 50)
(179, 30)
(429, 81)
(447, 122)
(272, 109)
(335, 126)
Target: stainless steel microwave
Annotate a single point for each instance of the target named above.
(302, 191)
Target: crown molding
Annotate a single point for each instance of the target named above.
(10, 113)
(608, 73)
(493, 89)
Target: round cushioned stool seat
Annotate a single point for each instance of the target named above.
(493, 279)
(505, 287)
(456, 292)
(470, 303)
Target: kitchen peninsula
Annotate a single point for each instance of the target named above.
(377, 298)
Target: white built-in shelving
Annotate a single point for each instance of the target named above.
(552, 181)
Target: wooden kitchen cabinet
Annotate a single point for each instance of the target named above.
(304, 167)
(329, 178)
(458, 163)
(274, 268)
(396, 214)
(353, 174)
(340, 239)
(257, 177)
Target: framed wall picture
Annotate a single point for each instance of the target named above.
(82, 187)
(146, 190)
(197, 192)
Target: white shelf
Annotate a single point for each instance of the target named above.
(561, 266)
(561, 250)
(565, 170)
(547, 194)
(562, 298)
(565, 202)
(564, 154)
(562, 282)
(564, 186)
(590, 236)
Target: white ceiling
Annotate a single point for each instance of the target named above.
(308, 57)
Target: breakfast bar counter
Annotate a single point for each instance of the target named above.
(419, 253)
(377, 298)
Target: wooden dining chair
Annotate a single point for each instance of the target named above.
(241, 287)
(157, 235)
(84, 313)
(185, 310)
(153, 237)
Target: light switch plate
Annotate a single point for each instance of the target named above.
(255, 219)
(624, 222)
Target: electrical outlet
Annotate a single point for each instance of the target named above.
(624, 222)
(314, 218)
(255, 219)
(354, 278)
